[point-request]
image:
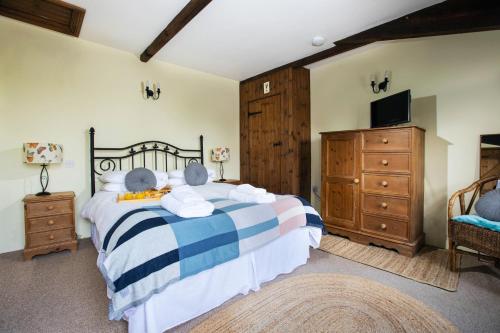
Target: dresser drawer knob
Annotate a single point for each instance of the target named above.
(384, 205)
(356, 181)
(383, 226)
(51, 237)
(50, 222)
(385, 162)
(384, 183)
(50, 207)
(385, 140)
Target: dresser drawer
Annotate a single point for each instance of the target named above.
(387, 140)
(384, 226)
(386, 184)
(38, 209)
(386, 162)
(378, 204)
(50, 223)
(50, 237)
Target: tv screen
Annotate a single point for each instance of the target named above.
(391, 110)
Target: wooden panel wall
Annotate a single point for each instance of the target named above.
(293, 87)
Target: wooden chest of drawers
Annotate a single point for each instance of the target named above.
(372, 186)
(49, 223)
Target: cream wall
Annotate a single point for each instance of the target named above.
(54, 87)
(460, 72)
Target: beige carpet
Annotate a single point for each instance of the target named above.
(326, 303)
(429, 266)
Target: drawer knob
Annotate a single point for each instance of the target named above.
(356, 181)
(384, 183)
(385, 162)
(51, 237)
(384, 205)
(385, 140)
(50, 207)
(383, 226)
(51, 222)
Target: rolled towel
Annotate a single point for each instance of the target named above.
(249, 189)
(186, 194)
(245, 197)
(187, 210)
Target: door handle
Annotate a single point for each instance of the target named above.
(276, 144)
(356, 181)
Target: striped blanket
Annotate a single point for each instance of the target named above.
(149, 248)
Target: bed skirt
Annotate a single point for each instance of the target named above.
(198, 294)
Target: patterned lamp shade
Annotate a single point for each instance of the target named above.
(220, 154)
(42, 153)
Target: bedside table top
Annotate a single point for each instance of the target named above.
(51, 197)
(229, 181)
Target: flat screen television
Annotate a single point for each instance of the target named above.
(391, 110)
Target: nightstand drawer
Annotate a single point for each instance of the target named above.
(50, 223)
(50, 237)
(39, 209)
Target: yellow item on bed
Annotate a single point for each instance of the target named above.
(145, 196)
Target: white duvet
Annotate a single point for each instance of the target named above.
(103, 209)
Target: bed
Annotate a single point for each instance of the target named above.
(185, 298)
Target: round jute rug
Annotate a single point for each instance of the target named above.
(326, 303)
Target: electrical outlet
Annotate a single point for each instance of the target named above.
(267, 87)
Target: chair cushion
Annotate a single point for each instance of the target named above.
(140, 179)
(478, 221)
(195, 174)
(488, 206)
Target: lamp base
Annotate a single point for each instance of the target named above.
(222, 180)
(43, 193)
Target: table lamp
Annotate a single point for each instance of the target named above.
(220, 154)
(43, 154)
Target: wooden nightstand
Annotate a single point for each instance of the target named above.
(49, 223)
(229, 181)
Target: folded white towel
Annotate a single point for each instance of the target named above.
(186, 210)
(249, 189)
(186, 194)
(256, 198)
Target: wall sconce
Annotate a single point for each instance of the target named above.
(151, 92)
(382, 85)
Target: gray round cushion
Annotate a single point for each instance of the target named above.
(140, 179)
(196, 174)
(488, 206)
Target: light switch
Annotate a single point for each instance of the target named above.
(267, 87)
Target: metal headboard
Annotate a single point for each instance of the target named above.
(152, 154)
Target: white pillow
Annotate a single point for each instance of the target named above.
(161, 184)
(113, 187)
(161, 176)
(115, 177)
(176, 174)
(210, 179)
(211, 172)
(176, 181)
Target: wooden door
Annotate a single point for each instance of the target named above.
(264, 129)
(340, 172)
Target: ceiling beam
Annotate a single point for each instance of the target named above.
(445, 18)
(177, 24)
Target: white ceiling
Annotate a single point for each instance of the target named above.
(236, 39)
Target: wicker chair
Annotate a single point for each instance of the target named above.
(486, 242)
